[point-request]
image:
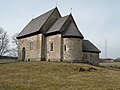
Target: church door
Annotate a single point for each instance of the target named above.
(23, 54)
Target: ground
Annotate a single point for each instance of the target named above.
(57, 76)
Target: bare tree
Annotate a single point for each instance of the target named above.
(14, 48)
(14, 39)
(4, 42)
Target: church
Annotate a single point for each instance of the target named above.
(52, 37)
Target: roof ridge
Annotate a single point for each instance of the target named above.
(38, 21)
(67, 16)
(60, 25)
(77, 31)
(45, 13)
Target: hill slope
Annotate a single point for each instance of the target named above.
(56, 76)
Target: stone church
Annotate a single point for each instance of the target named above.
(51, 37)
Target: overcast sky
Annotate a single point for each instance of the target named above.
(97, 20)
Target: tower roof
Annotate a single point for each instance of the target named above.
(66, 26)
(72, 29)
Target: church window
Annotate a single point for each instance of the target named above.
(51, 46)
(31, 45)
(65, 48)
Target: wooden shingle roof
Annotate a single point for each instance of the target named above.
(36, 24)
(64, 25)
(89, 47)
(70, 27)
(57, 25)
(72, 31)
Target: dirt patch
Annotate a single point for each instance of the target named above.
(87, 69)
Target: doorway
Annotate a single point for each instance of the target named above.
(23, 54)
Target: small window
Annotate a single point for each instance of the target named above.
(31, 45)
(51, 47)
(64, 47)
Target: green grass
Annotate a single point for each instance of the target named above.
(56, 76)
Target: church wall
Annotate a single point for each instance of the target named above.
(34, 54)
(73, 51)
(91, 58)
(50, 21)
(54, 55)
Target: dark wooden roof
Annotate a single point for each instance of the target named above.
(72, 31)
(89, 47)
(35, 24)
(64, 25)
(57, 25)
(70, 27)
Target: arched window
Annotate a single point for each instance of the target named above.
(65, 48)
(51, 46)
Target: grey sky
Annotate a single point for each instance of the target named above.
(97, 19)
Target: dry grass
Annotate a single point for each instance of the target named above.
(56, 76)
(112, 66)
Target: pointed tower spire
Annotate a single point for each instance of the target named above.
(70, 10)
(56, 4)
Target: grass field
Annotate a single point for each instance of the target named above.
(56, 76)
